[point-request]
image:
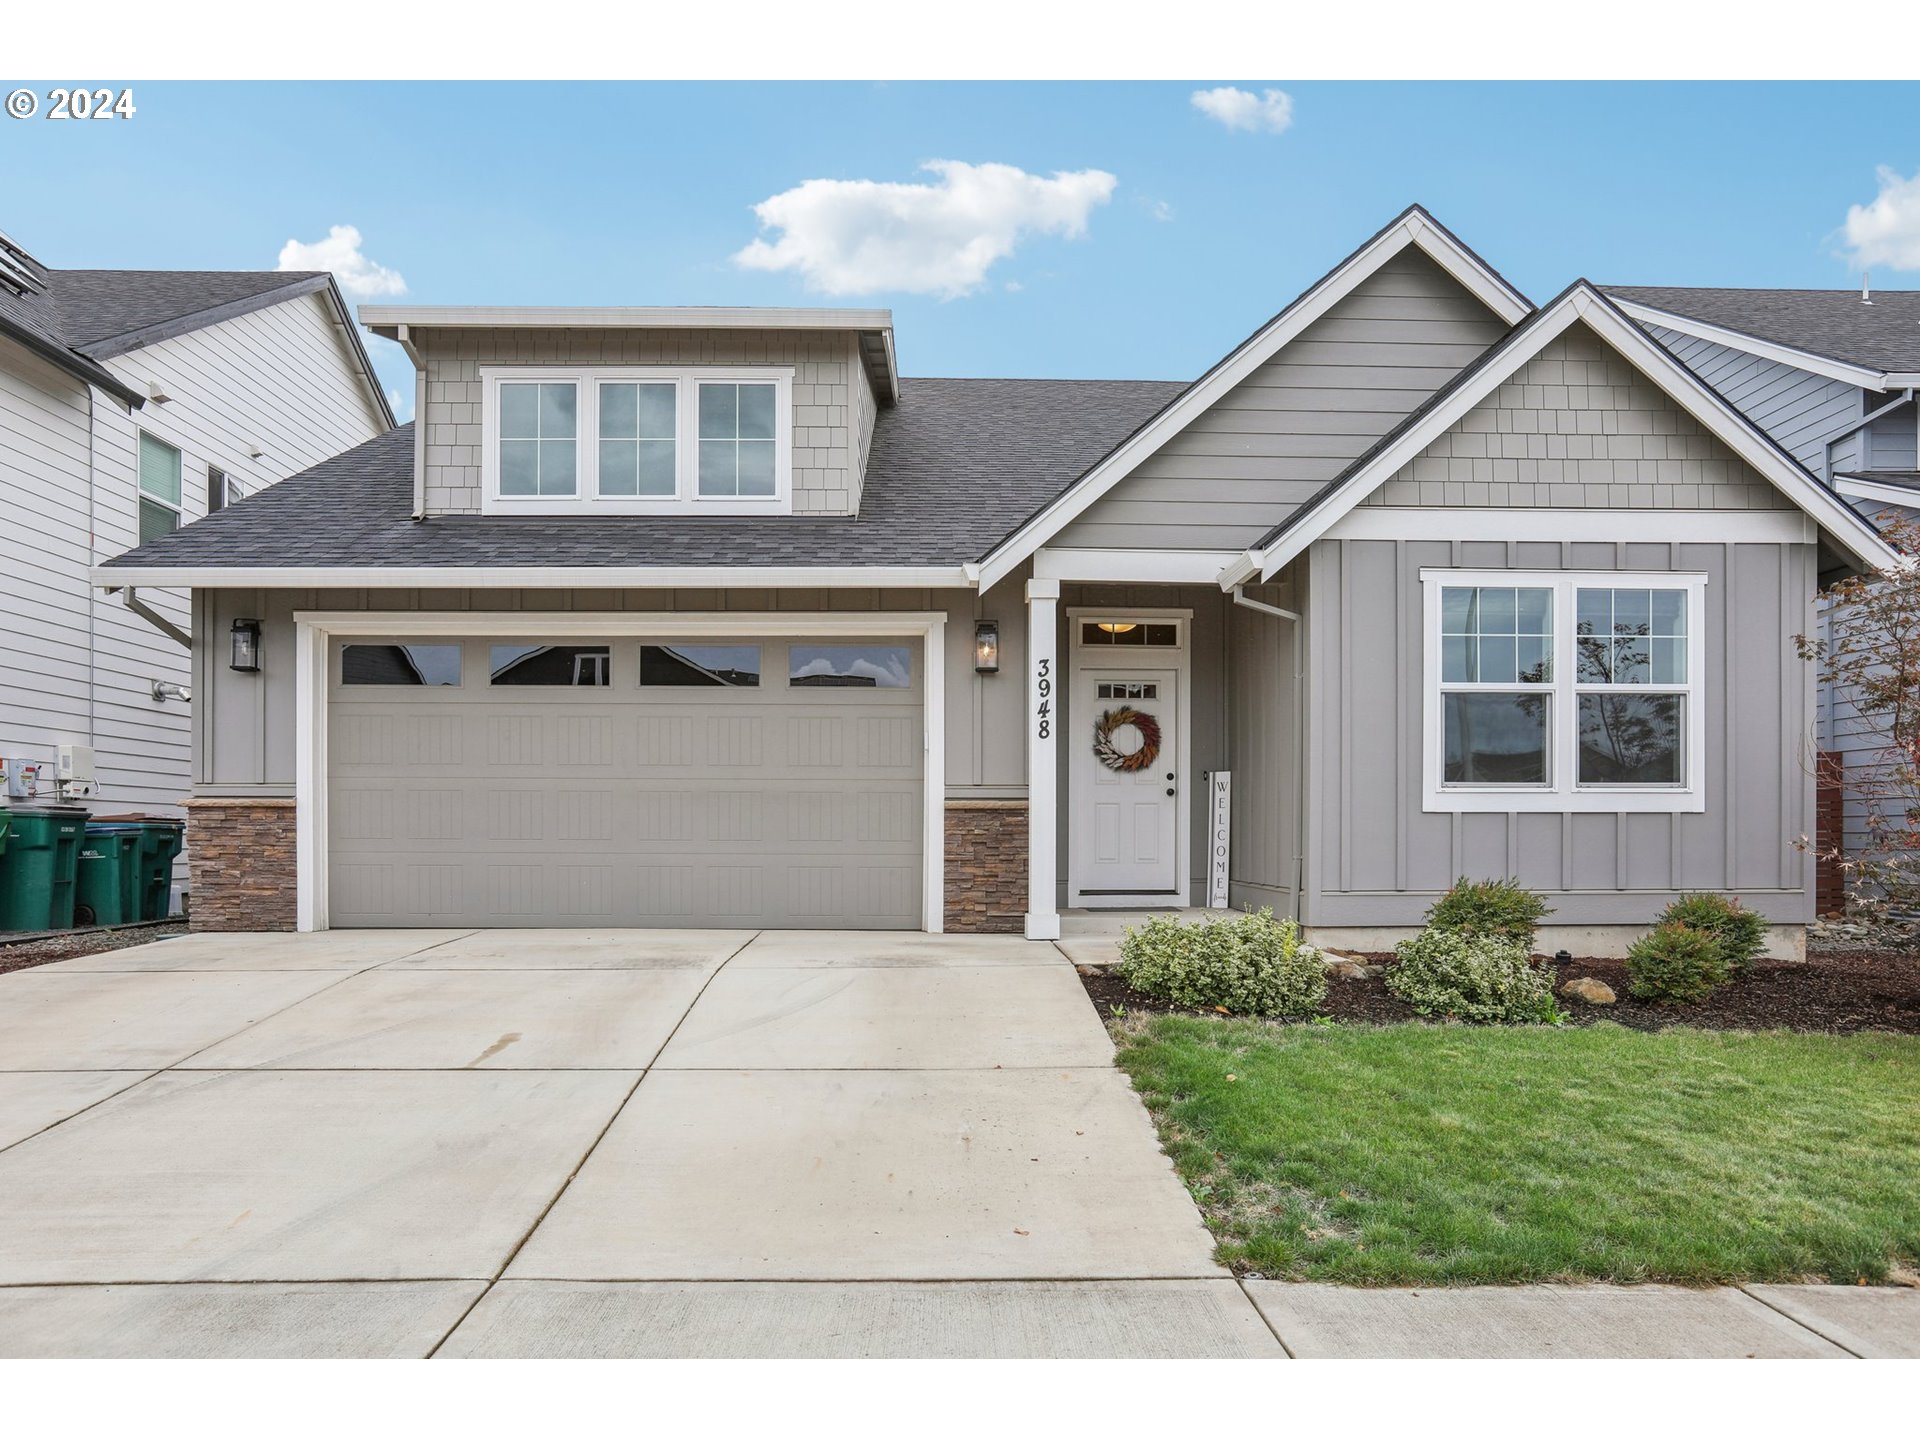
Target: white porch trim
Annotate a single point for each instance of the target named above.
(314, 629)
(1043, 725)
(1383, 522)
(1143, 567)
(540, 577)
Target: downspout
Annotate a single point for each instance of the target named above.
(1294, 884)
(1855, 427)
(93, 558)
(404, 338)
(153, 617)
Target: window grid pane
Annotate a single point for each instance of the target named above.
(737, 439)
(159, 469)
(638, 440)
(1496, 635)
(1631, 637)
(539, 427)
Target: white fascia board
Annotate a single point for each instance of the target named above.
(593, 623)
(1243, 568)
(354, 577)
(620, 317)
(1145, 567)
(1861, 375)
(1852, 533)
(1875, 490)
(1412, 229)
(1781, 527)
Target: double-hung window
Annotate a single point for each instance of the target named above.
(1563, 691)
(637, 440)
(159, 488)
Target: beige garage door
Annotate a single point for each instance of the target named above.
(771, 782)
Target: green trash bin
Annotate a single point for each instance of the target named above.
(109, 881)
(159, 849)
(37, 876)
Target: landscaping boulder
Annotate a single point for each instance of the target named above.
(1594, 992)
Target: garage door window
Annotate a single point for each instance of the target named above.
(400, 665)
(550, 665)
(884, 667)
(699, 666)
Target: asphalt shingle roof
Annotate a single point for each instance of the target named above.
(954, 467)
(78, 318)
(100, 307)
(1833, 323)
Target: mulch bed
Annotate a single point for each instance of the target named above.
(1836, 993)
(25, 954)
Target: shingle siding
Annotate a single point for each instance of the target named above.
(1578, 428)
(827, 426)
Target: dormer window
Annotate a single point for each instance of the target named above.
(637, 440)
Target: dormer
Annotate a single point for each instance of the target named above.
(642, 411)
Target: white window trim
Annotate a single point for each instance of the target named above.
(686, 498)
(1564, 794)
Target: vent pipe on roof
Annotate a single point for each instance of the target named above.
(1866, 287)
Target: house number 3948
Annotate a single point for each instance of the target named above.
(1043, 689)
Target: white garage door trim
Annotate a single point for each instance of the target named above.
(315, 628)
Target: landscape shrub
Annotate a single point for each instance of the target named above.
(1503, 909)
(1675, 965)
(1741, 933)
(1481, 978)
(1250, 964)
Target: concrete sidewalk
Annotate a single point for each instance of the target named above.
(644, 1143)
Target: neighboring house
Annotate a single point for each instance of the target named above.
(709, 619)
(132, 403)
(1831, 375)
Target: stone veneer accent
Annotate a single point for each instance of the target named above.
(986, 866)
(241, 863)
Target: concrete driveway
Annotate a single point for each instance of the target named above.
(501, 1143)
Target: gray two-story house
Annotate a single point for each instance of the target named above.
(711, 618)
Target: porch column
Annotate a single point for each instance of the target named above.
(1043, 725)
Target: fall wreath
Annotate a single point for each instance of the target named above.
(1111, 755)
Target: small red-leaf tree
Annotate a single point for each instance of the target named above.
(1868, 658)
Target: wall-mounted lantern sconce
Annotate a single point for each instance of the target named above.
(246, 647)
(986, 647)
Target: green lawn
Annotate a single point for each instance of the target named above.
(1422, 1154)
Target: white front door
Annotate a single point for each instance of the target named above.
(1124, 786)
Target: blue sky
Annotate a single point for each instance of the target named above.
(643, 194)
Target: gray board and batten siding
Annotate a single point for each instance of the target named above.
(1375, 855)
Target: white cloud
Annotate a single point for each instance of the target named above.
(1270, 110)
(1887, 232)
(852, 237)
(1160, 210)
(359, 277)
